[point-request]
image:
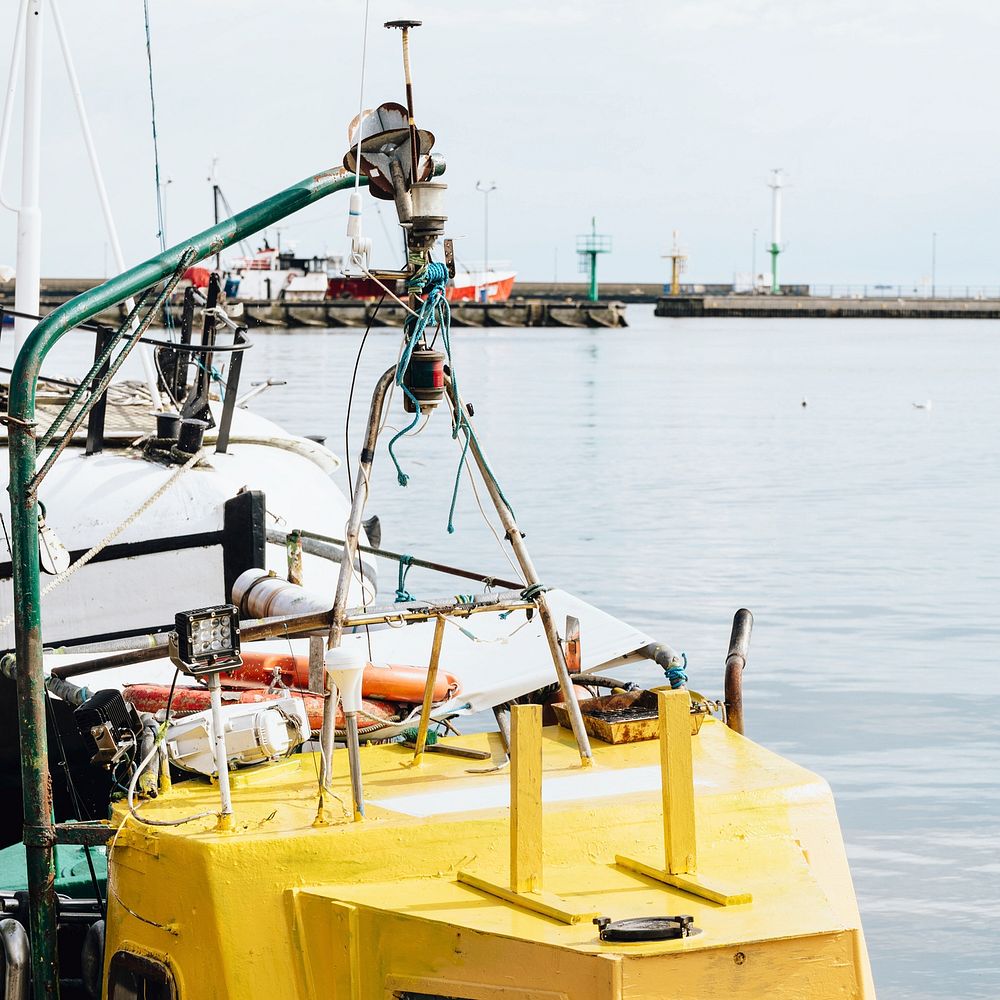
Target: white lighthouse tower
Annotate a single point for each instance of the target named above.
(776, 183)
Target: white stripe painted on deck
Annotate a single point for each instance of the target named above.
(494, 793)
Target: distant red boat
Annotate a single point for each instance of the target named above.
(481, 286)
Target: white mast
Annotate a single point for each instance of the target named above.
(775, 184)
(29, 213)
(28, 41)
(8, 105)
(145, 353)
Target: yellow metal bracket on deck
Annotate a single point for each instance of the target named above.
(525, 887)
(677, 787)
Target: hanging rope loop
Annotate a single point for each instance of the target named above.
(403, 596)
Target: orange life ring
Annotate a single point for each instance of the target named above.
(392, 682)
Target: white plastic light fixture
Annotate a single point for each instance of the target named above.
(346, 666)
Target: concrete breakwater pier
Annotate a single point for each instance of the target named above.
(333, 313)
(524, 310)
(826, 307)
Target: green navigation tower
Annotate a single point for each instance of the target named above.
(588, 246)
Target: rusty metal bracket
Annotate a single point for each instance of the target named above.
(83, 834)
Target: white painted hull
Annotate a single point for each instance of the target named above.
(85, 497)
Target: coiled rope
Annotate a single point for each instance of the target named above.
(676, 673)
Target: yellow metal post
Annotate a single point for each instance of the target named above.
(425, 710)
(677, 781)
(677, 789)
(524, 886)
(526, 798)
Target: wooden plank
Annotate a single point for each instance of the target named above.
(677, 781)
(526, 798)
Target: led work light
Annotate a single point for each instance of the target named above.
(206, 640)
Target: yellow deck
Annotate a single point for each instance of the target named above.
(280, 907)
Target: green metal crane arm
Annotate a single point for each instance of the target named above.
(39, 833)
(140, 277)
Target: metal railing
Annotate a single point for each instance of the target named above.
(912, 291)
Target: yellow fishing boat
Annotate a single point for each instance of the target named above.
(469, 885)
(623, 846)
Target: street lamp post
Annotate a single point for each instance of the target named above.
(486, 188)
(933, 264)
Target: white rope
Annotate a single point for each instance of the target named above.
(113, 534)
(356, 258)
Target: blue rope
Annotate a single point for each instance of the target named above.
(403, 596)
(676, 673)
(435, 311)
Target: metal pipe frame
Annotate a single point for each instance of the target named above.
(736, 661)
(296, 625)
(531, 579)
(352, 535)
(39, 831)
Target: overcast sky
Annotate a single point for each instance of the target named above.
(652, 116)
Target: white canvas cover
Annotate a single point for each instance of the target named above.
(507, 658)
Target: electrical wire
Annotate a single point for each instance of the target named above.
(518, 572)
(350, 396)
(161, 735)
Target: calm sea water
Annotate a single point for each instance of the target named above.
(670, 474)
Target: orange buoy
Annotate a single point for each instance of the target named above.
(153, 697)
(392, 682)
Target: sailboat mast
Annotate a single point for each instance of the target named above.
(29, 213)
(215, 208)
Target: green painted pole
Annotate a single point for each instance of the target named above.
(593, 277)
(774, 251)
(39, 830)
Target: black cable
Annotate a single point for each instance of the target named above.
(350, 397)
(77, 802)
(170, 697)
